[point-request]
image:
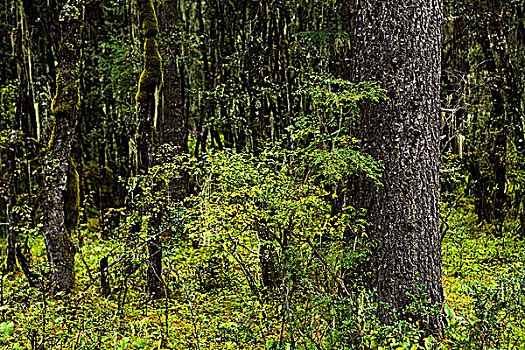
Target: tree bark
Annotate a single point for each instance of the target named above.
(398, 43)
(59, 165)
(172, 125)
(147, 137)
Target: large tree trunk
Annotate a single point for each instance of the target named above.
(61, 176)
(398, 43)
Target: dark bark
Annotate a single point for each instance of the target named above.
(397, 43)
(24, 264)
(268, 257)
(104, 284)
(147, 137)
(172, 125)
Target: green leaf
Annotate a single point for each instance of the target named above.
(9, 329)
(450, 313)
(270, 344)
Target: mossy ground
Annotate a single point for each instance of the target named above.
(224, 312)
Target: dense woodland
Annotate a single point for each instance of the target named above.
(240, 174)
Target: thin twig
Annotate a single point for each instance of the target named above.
(189, 302)
(124, 255)
(444, 221)
(320, 256)
(285, 312)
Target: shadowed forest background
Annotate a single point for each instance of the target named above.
(177, 174)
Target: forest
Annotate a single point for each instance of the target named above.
(275, 174)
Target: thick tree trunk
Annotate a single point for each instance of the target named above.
(59, 165)
(398, 44)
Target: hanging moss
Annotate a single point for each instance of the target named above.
(72, 198)
(67, 97)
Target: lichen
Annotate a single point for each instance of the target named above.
(72, 198)
(67, 97)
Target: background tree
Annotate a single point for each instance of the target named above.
(172, 125)
(483, 118)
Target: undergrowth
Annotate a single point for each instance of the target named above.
(254, 257)
(211, 303)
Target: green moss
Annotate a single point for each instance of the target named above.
(67, 97)
(72, 198)
(52, 138)
(150, 24)
(151, 75)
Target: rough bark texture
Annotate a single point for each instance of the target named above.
(397, 43)
(172, 124)
(65, 104)
(147, 137)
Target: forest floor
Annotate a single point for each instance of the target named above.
(223, 315)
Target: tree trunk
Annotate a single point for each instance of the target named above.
(147, 137)
(172, 124)
(41, 33)
(60, 172)
(398, 43)
(13, 218)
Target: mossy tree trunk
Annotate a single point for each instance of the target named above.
(60, 204)
(146, 136)
(398, 43)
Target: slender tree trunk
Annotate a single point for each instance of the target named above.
(40, 18)
(12, 230)
(59, 166)
(147, 137)
(398, 43)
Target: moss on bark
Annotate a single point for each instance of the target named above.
(67, 97)
(150, 24)
(72, 198)
(151, 75)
